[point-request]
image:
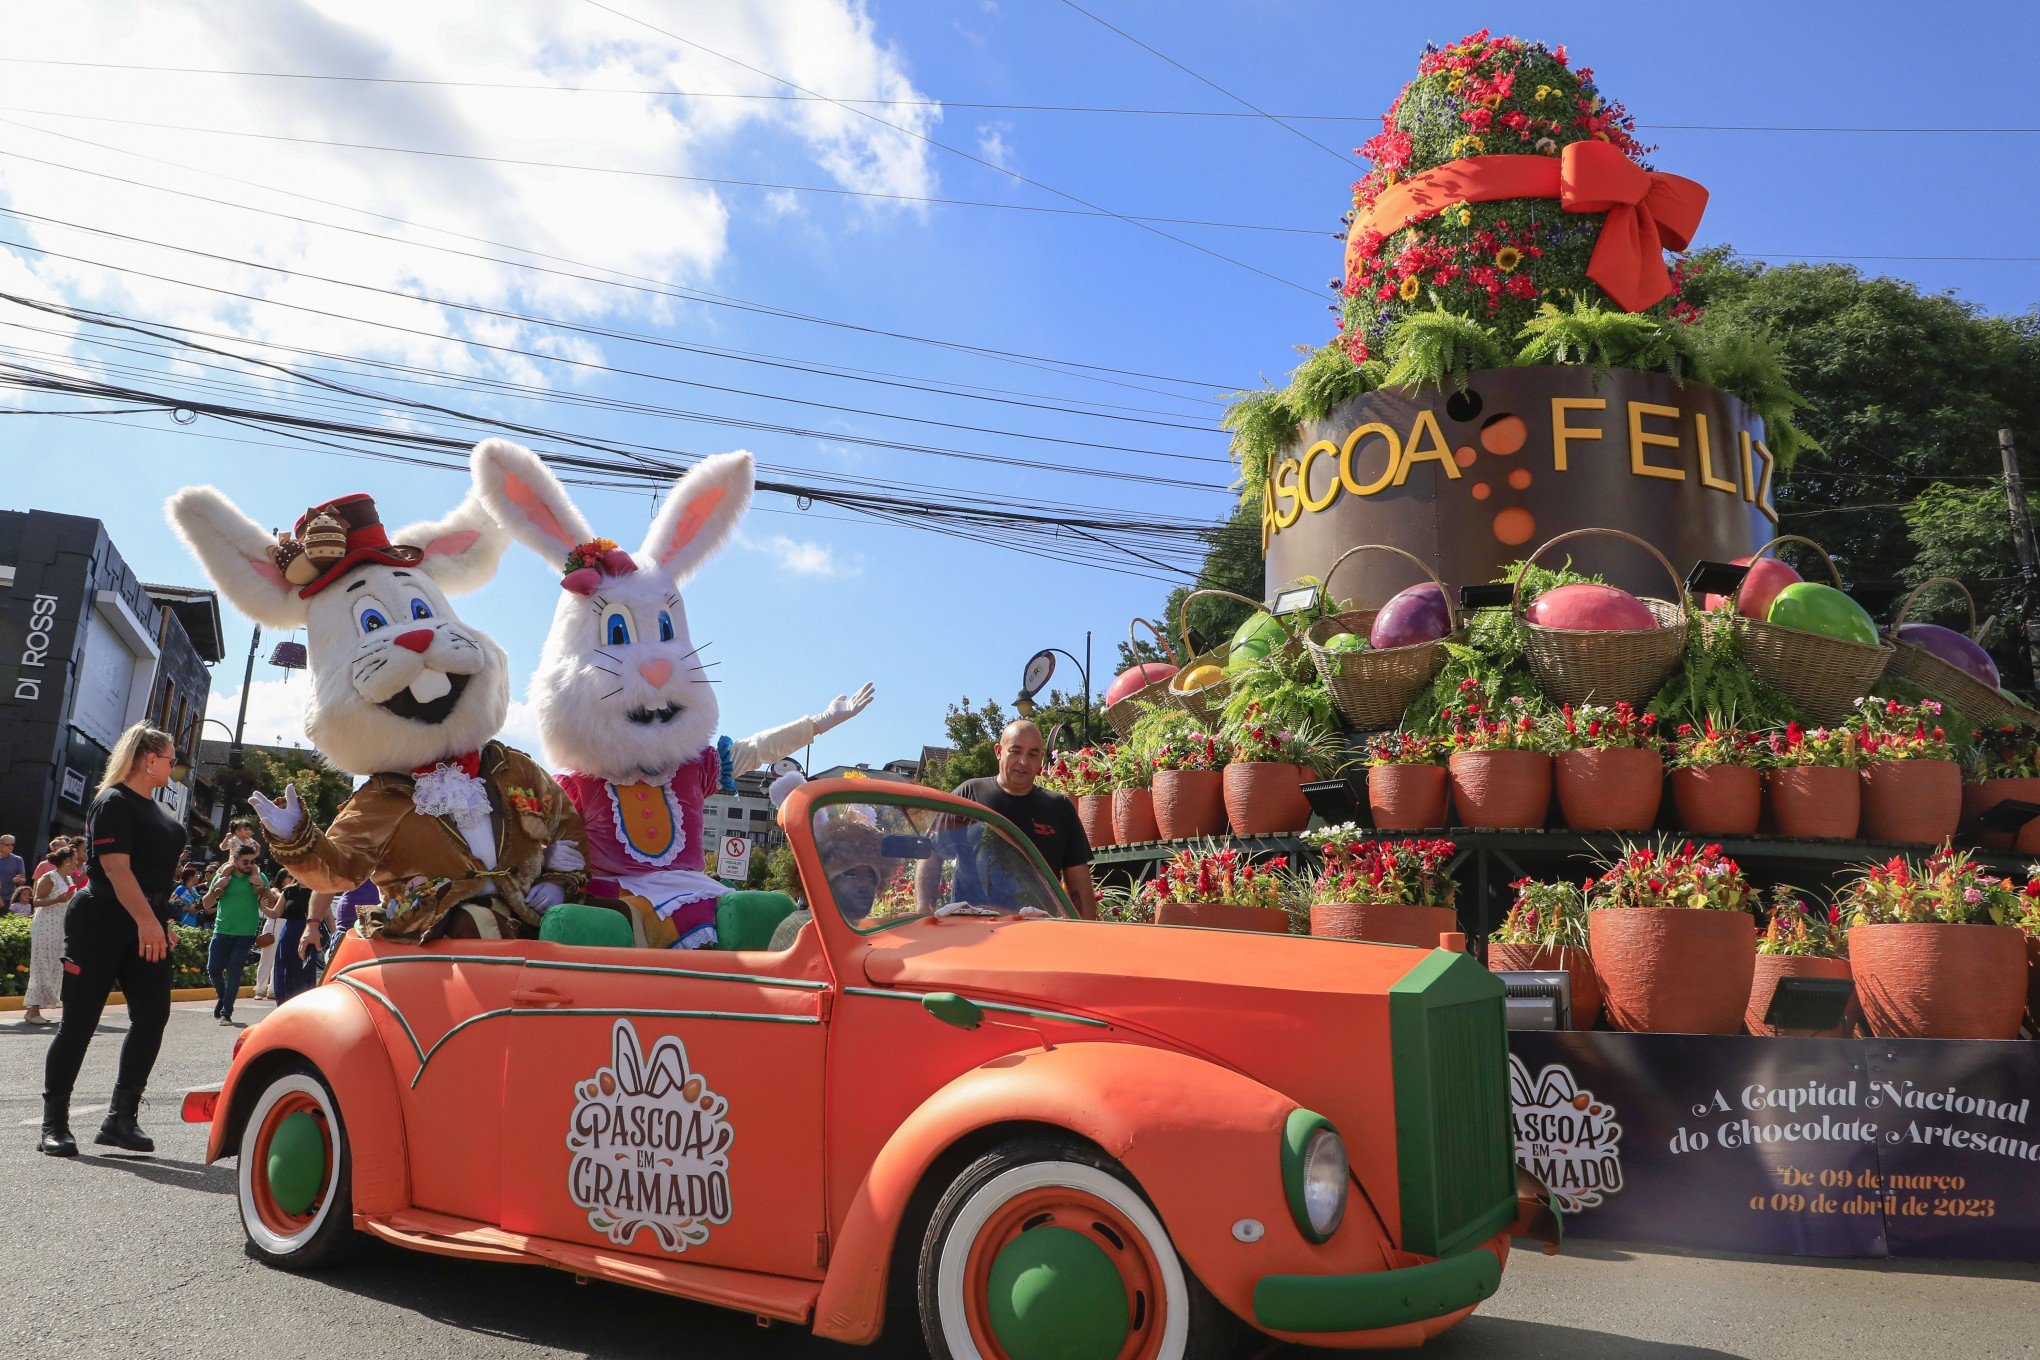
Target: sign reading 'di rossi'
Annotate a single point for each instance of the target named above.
(1471, 480)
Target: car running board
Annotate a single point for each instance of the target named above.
(765, 1296)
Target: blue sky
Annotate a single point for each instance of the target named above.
(812, 602)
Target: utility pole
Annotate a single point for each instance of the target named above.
(247, 680)
(2022, 539)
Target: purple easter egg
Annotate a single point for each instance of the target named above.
(1953, 648)
(1419, 614)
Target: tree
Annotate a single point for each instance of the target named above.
(781, 873)
(973, 732)
(321, 787)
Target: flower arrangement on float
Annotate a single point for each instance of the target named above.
(1934, 947)
(1912, 786)
(1798, 940)
(1717, 778)
(1406, 781)
(1186, 764)
(1133, 802)
(1263, 780)
(1210, 885)
(1812, 782)
(1673, 940)
(1499, 765)
(1546, 931)
(1388, 891)
(1608, 769)
(1085, 777)
(2005, 768)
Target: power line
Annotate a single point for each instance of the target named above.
(1007, 171)
(1340, 156)
(975, 106)
(1046, 363)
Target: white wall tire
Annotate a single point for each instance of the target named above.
(292, 1220)
(1070, 1189)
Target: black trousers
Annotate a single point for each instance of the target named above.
(101, 950)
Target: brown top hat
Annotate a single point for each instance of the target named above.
(330, 539)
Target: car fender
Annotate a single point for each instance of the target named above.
(331, 1028)
(1203, 1141)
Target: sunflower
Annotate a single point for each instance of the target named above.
(1507, 258)
(1410, 288)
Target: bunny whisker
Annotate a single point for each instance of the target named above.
(613, 693)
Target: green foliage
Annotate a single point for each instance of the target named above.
(781, 873)
(1492, 653)
(322, 787)
(1426, 348)
(1605, 337)
(1751, 363)
(1261, 424)
(1326, 378)
(1714, 683)
(972, 733)
(187, 954)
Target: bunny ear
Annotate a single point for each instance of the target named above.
(525, 498)
(234, 551)
(700, 514)
(461, 550)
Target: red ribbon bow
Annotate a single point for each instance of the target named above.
(471, 763)
(1648, 212)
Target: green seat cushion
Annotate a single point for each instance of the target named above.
(746, 920)
(577, 923)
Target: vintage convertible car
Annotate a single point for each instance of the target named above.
(1060, 1137)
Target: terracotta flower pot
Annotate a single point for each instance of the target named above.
(1819, 801)
(1614, 790)
(1980, 798)
(1133, 816)
(1265, 799)
(1911, 802)
(1718, 800)
(1577, 964)
(1189, 803)
(1770, 968)
(1407, 797)
(1223, 916)
(1674, 970)
(1094, 811)
(1382, 922)
(2033, 977)
(1932, 980)
(1501, 789)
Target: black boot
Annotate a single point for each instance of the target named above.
(120, 1129)
(56, 1128)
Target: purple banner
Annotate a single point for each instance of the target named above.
(1813, 1147)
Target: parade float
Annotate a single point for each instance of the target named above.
(1525, 594)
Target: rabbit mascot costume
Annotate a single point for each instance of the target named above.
(462, 835)
(624, 704)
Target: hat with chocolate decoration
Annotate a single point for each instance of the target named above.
(331, 538)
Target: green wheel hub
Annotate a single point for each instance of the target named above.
(1055, 1295)
(297, 1162)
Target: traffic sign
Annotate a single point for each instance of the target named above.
(733, 860)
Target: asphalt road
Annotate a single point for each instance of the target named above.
(142, 1257)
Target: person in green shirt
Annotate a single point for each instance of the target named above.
(237, 893)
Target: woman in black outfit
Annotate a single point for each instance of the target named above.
(114, 934)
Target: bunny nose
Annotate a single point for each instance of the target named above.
(656, 673)
(417, 640)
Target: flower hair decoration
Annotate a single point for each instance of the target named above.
(589, 562)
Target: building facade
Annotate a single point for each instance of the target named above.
(86, 649)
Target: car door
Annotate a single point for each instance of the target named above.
(444, 1015)
(670, 1104)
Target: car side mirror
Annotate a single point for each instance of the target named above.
(952, 1009)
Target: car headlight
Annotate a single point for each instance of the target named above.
(1315, 1174)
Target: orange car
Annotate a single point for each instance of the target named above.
(1065, 1138)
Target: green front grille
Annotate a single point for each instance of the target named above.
(1454, 1145)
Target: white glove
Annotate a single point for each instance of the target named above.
(565, 857)
(842, 709)
(280, 820)
(544, 895)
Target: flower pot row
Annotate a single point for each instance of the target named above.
(1910, 802)
(1250, 798)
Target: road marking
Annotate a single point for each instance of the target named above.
(75, 1110)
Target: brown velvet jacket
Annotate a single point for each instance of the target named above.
(424, 867)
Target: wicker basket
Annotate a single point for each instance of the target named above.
(1824, 676)
(1952, 685)
(1124, 714)
(1574, 667)
(1206, 705)
(1372, 688)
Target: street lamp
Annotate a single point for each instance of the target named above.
(1035, 677)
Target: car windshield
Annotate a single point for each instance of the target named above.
(886, 862)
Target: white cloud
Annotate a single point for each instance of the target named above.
(275, 712)
(805, 557)
(992, 143)
(643, 225)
